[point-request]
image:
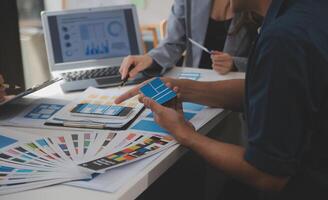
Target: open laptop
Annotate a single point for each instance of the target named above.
(86, 46)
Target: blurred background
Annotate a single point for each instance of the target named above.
(152, 15)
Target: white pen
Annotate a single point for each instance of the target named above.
(200, 46)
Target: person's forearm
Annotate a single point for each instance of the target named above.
(227, 94)
(230, 159)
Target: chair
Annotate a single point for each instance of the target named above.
(152, 28)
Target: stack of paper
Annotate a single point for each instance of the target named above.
(95, 108)
(46, 161)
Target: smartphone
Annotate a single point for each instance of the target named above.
(101, 110)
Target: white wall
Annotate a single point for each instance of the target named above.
(152, 13)
(53, 5)
(155, 11)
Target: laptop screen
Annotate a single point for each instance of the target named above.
(93, 35)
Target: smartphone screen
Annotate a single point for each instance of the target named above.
(105, 110)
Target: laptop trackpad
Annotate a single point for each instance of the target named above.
(109, 80)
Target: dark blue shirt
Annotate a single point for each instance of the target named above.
(287, 92)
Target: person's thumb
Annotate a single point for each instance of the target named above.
(153, 105)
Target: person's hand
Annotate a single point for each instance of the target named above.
(2, 89)
(140, 62)
(222, 62)
(171, 119)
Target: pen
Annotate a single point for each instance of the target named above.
(200, 46)
(127, 76)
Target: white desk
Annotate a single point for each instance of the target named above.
(140, 182)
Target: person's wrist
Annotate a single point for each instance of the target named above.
(149, 59)
(184, 135)
(153, 69)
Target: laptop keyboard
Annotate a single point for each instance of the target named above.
(91, 74)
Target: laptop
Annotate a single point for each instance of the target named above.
(86, 47)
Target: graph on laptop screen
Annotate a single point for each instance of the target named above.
(92, 35)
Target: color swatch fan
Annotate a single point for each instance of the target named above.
(41, 162)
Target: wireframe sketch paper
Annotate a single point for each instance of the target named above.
(35, 113)
(95, 108)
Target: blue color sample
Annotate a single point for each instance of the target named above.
(187, 116)
(42, 142)
(151, 126)
(163, 98)
(63, 146)
(24, 170)
(192, 106)
(5, 141)
(6, 169)
(158, 91)
(148, 91)
(157, 82)
(143, 150)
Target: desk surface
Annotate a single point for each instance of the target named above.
(140, 182)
